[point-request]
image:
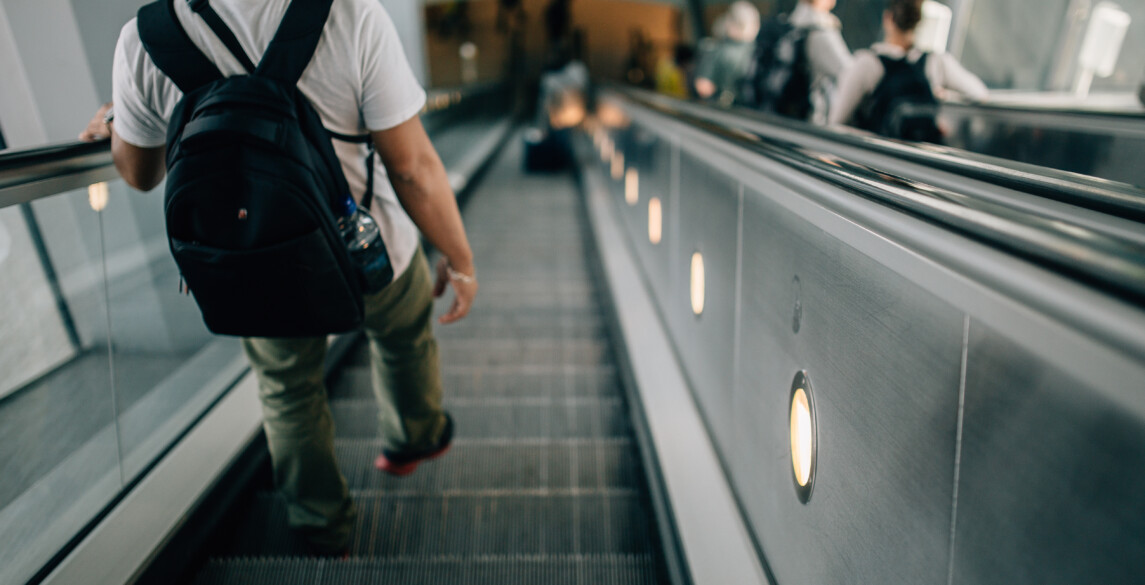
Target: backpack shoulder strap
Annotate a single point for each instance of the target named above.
(171, 49)
(294, 43)
(207, 13)
(920, 65)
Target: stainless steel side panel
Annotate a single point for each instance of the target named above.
(884, 359)
(980, 419)
(653, 157)
(1052, 475)
(708, 210)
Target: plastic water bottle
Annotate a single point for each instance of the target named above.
(367, 250)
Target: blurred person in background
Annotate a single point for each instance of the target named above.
(893, 89)
(798, 58)
(638, 65)
(720, 70)
(674, 74)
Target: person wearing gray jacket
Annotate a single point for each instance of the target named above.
(827, 53)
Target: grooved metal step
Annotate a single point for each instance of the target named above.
(506, 419)
(567, 328)
(490, 570)
(512, 352)
(500, 465)
(501, 523)
(493, 382)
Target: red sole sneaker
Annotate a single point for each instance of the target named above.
(396, 464)
(406, 467)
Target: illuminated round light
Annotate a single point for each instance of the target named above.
(617, 166)
(697, 283)
(803, 435)
(97, 196)
(632, 186)
(654, 220)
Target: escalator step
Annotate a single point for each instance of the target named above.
(500, 465)
(493, 382)
(526, 352)
(551, 570)
(492, 325)
(548, 339)
(589, 418)
(469, 524)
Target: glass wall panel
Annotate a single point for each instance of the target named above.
(103, 362)
(59, 447)
(168, 367)
(1042, 53)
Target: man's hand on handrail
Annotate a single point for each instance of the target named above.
(142, 168)
(97, 129)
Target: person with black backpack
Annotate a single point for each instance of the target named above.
(277, 123)
(797, 59)
(894, 88)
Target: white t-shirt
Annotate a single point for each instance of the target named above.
(359, 80)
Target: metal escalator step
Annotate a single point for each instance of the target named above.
(557, 352)
(470, 524)
(499, 570)
(589, 418)
(495, 382)
(499, 465)
(496, 322)
(505, 325)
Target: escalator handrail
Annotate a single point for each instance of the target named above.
(1052, 110)
(1109, 197)
(1105, 262)
(34, 173)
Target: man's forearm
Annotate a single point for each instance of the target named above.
(425, 194)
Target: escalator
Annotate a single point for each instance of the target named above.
(543, 483)
(627, 420)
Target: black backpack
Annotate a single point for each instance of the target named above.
(902, 105)
(253, 183)
(779, 77)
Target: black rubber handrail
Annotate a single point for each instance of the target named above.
(1109, 197)
(1105, 262)
(18, 167)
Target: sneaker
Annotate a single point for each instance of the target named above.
(401, 464)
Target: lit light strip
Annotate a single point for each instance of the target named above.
(617, 166)
(697, 283)
(98, 196)
(802, 424)
(655, 220)
(632, 186)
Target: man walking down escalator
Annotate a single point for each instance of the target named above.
(359, 83)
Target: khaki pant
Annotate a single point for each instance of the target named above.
(296, 416)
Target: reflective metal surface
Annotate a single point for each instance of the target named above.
(1052, 470)
(885, 358)
(1102, 145)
